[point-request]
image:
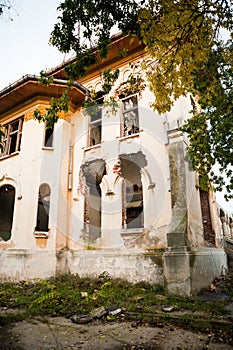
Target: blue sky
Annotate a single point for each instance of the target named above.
(25, 48)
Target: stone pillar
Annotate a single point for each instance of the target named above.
(177, 271)
(231, 227)
(224, 223)
(177, 235)
(111, 187)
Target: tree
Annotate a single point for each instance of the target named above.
(5, 6)
(184, 38)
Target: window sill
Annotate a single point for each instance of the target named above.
(9, 155)
(122, 138)
(132, 231)
(44, 148)
(92, 147)
(41, 234)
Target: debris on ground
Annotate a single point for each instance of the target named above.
(81, 319)
(168, 308)
(99, 312)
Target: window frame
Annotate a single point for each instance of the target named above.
(9, 134)
(128, 110)
(6, 235)
(98, 122)
(45, 213)
(45, 146)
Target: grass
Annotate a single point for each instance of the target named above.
(67, 295)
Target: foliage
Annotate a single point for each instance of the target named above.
(6, 10)
(210, 131)
(92, 104)
(5, 5)
(183, 37)
(109, 79)
(134, 84)
(83, 25)
(52, 114)
(44, 79)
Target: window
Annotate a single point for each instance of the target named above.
(12, 137)
(130, 115)
(95, 127)
(48, 137)
(7, 202)
(132, 195)
(134, 205)
(43, 208)
(93, 172)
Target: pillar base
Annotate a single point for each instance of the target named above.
(187, 271)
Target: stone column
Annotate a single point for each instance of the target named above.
(111, 187)
(224, 223)
(177, 235)
(231, 227)
(177, 271)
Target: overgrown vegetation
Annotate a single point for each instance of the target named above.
(67, 295)
(185, 40)
(190, 42)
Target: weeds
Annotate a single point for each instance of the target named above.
(67, 295)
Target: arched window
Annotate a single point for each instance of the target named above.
(7, 202)
(43, 208)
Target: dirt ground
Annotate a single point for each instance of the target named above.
(61, 333)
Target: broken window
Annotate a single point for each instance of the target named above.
(95, 125)
(48, 137)
(132, 208)
(130, 115)
(12, 137)
(93, 172)
(43, 208)
(7, 202)
(94, 210)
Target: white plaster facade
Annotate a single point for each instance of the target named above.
(89, 233)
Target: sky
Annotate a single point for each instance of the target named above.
(25, 48)
(24, 40)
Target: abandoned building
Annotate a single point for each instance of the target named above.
(104, 190)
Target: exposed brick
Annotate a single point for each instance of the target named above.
(209, 235)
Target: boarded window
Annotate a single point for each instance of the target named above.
(7, 202)
(12, 137)
(43, 208)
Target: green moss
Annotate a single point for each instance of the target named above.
(192, 257)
